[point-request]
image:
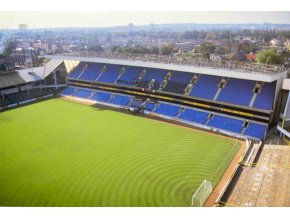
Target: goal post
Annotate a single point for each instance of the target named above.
(201, 194)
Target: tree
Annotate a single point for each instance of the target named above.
(268, 57)
(166, 50)
(206, 49)
(9, 47)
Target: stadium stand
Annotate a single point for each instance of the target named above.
(226, 123)
(149, 106)
(151, 74)
(255, 130)
(92, 72)
(194, 116)
(82, 93)
(167, 109)
(68, 91)
(77, 71)
(121, 100)
(205, 87)
(191, 115)
(265, 98)
(111, 74)
(217, 88)
(237, 91)
(101, 96)
(130, 76)
(178, 82)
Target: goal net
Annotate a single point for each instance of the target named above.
(201, 194)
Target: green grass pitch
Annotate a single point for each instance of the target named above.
(60, 153)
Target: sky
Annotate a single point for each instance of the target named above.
(11, 20)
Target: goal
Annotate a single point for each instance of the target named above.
(201, 194)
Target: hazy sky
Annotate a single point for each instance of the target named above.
(102, 19)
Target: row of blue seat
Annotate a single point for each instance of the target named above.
(111, 98)
(217, 121)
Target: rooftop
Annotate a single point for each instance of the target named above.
(197, 62)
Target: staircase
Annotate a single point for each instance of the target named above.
(104, 68)
(165, 81)
(257, 89)
(141, 76)
(122, 71)
(189, 87)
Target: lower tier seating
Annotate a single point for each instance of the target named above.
(149, 106)
(226, 123)
(167, 109)
(194, 116)
(188, 114)
(101, 96)
(120, 100)
(255, 130)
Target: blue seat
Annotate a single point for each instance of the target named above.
(167, 109)
(265, 99)
(205, 87)
(77, 71)
(193, 116)
(92, 72)
(237, 91)
(255, 130)
(101, 96)
(226, 123)
(82, 93)
(111, 74)
(178, 82)
(149, 106)
(68, 91)
(130, 76)
(152, 73)
(122, 100)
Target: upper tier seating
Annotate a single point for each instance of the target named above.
(226, 123)
(92, 72)
(255, 130)
(101, 96)
(77, 71)
(156, 74)
(130, 76)
(237, 91)
(178, 82)
(265, 98)
(122, 100)
(206, 86)
(167, 109)
(193, 116)
(111, 74)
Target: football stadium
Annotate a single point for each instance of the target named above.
(111, 131)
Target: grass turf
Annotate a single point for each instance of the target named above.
(59, 153)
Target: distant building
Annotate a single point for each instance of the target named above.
(187, 46)
(215, 57)
(235, 47)
(251, 57)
